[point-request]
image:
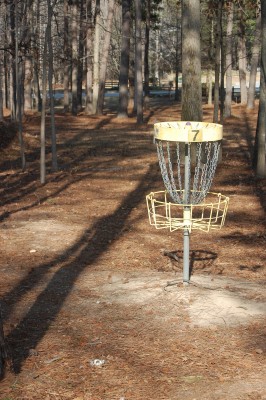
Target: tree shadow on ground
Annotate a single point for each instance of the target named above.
(198, 259)
(83, 158)
(93, 243)
(8, 131)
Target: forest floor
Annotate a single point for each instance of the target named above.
(93, 309)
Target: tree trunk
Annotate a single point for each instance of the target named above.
(191, 61)
(146, 54)
(88, 107)
(27, 83)
(209, 78)
(50, 83)
(260, 148)
(222, 89)
(242, 54)
(96, 50)
(124, 61)
(254, 65)
(6, 35)
(28, 59)
(43, 112)
(66, 57)
(218, 36)
(80, 56)
(177, 54)
(18, 93)
(209, 86)
(36, 58)
(36, 86)
(1, 94)
(104, 60)
(131, 84)
(6, 78)
(138, 64)
(13, 44)
(228, 61)
(157, 57)
(74, 32)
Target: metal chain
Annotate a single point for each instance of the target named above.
(212, 154)
(170, 168)
(162, 164)
(164, 172)
(207, 155)
(197, 172)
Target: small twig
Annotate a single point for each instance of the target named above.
(171, 254)
(172, 283)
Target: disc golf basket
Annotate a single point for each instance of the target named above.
(188, 154)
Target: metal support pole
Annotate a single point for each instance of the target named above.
(186, 215)
(186, 257)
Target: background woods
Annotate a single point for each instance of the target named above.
(91, 45)
(79, 48)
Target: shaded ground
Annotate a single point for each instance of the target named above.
(84, 277)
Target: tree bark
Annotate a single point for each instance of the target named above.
(74, 32)
(27, 83)
(254, 65)
(138, 64)
(260, 143)
(1, 94)
(209, 78)
(43, 112)
(131, 83)
(6, 78)
(177, 53)
(218, 36)
(88, 107)
(124, 60)
(104, 60)
(222, 89)
(80, 55)
(157, 57)
(66, 57)
(36, 86)
(36, 57)
(18, 93)
(50, 83)
(209, 86)
(28, 59)
(191, 61)
(96, 49)
(228, 62)
(146, 54)
(242, 58)
(13, 44)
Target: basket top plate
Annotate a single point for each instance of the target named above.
(185, 131)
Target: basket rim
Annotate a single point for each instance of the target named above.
(221, 198)
(188, 131)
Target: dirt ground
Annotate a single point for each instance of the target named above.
(93, 309)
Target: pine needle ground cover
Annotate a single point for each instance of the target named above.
(92, 296)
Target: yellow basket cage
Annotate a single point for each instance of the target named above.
(206, 216)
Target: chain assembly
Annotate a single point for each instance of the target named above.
(206, 159)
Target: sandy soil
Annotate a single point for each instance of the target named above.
(93, 309)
